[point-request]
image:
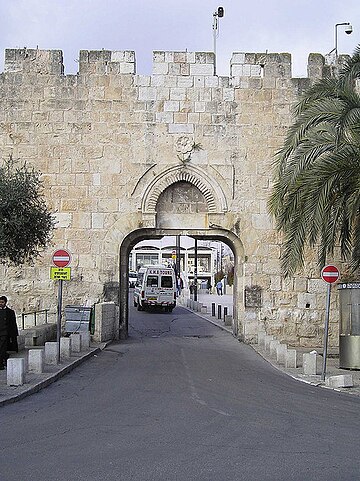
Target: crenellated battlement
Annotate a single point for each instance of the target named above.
(167, 63)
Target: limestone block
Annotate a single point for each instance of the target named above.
(273, 347)
(36, 360)
(228, 320)
(309, 363)
(51, 353)
(201, 69)
(15, 371)
(181, 129)
(65, 347)
(84, 340)
(343, 380)
(75, 342)
(291, 358)
(204, 309)
(281, 353)
(171, 106)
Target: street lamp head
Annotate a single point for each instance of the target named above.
(348, 29)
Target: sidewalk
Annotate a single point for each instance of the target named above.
(36, 382)
(332, 361)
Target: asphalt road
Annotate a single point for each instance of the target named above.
(180, 400)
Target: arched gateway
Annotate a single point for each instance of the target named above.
(126, 157)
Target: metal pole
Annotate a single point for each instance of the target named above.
(59, 308)
(326, 331)
(215, 25)
(195, 271)
(178, 256)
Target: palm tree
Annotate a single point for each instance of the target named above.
(316, 193)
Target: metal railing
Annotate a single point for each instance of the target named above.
(36, 315)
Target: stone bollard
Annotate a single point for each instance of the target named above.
(309, 363)
(65, 348)
(281, 353)
(15, 373)
(51, 353)
(188, 300)
(267, 342)
(204, 310)
(228, 320)
(36, 361)
(343, 380)
(84, 340)
(261, 339)
(75, 342)
(290, 358)
(274, 343)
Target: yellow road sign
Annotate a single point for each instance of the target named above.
(60, 273)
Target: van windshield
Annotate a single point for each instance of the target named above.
(166, 281)
(152, 281)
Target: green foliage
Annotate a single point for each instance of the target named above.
(316, 194)
(25, 224)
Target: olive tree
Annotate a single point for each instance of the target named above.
(26, 225)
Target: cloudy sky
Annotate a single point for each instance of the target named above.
(294, 26)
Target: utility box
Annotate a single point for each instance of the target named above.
(349, 342)
(77, 318)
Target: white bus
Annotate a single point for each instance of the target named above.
(155, 287)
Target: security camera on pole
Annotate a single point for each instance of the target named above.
(218, 14)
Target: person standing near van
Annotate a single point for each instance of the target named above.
(8, 331)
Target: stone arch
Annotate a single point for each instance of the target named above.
(212, 192)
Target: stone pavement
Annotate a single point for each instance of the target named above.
(35, 382)
(332, 363)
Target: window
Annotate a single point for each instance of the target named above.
(166, 281)
(152, 281)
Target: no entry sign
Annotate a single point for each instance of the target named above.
(330, 274)
(61, 258)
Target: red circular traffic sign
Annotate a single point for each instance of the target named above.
(330, 274)
(61, 258)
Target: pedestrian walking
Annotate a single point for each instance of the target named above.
(219, 288)
(8, 331)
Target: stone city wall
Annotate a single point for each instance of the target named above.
(108, 142)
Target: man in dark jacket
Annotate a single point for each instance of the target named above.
(8, 331)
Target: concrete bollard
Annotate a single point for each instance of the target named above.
(204, 310)
(290, 358)
(15, 371)
(75, 342)
(267, 342)
(65, 347)
(273, 346)
(343, 380)
(309, 363)
(228, 320)
(84, 340)
(36, 361)
(281, 353)
(261, 339)
(51, 353)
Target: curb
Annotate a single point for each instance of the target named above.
(53, 377)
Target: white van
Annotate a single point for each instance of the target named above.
(155, 287)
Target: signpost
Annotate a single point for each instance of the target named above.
(61, 259)
(329, 274)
